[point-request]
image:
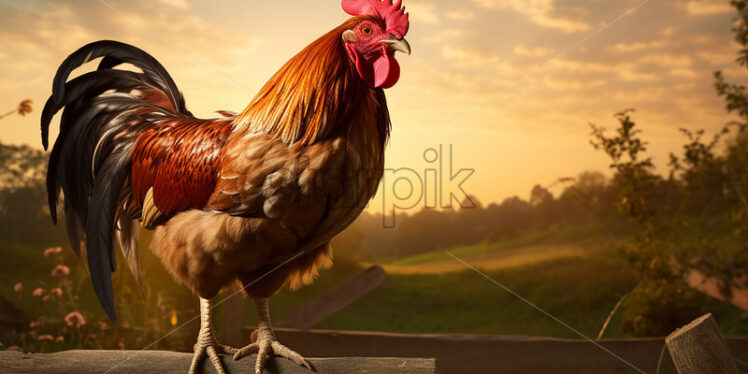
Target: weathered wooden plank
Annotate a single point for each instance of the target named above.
(476, 354)
(153, 362)
(332, 300)
(699, 348)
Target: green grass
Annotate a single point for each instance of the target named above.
(551, 236)
(465, 302)
(580, 291)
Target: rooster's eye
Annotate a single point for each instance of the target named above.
(366, 30)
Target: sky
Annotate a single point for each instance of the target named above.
(510, 86)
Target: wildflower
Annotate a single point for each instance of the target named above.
(18, 287)
(45, 337)
(174, 319)
(60, 339)
(25, 107)
(15, 348)
(56, 291)
(121, 345)
(60, 270)
(52, 251)
(37, 292)
(75, 318)
(103, 326)
(34, 324)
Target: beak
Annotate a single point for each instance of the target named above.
(397, 45)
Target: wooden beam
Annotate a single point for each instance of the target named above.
(699, 348)
(477, 354)
(333, 300)
(152, 362)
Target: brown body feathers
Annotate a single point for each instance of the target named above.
(300, 165)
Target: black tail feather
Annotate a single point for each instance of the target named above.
(104, 113)
(115, 53)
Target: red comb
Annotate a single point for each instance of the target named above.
(393, 15)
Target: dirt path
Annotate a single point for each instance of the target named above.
(493, 261)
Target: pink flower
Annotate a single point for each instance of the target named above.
(45, 337)
(34, 324)
(18, 287)
(121, 345)
(37, 292)
(60, 270)
(52, 251)
(60, 339)
(103, 325)
(15, 348)
(56, 291)
(75, 318)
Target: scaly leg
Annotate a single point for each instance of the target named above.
(207, 343)
(265, 344)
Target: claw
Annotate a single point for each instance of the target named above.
(212, 351)
(246, 351)
(267, 346)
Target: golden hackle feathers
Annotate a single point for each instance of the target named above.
(311, 95)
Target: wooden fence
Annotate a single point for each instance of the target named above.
(476, 354)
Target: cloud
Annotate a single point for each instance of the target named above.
(667, 60)
(422, 12)
(467, 55)
(460, 15)
(522, 50)
(708, 7)
(180, 4)
(541, 12)
(573, 85)
(635, 47)
(685, 73)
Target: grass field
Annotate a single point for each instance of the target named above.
(574, 275)
(574, 282)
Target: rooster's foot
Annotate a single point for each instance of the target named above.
(212, 350)
(266, 345)
(207, 345)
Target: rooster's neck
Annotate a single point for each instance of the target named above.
(313, 96)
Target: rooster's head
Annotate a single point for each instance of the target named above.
(372, 42)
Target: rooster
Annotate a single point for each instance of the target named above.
(253, 198)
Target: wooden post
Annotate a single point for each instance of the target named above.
(699, 348)
(332, 300)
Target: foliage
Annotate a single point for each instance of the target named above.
(60, 317)
(696, 218)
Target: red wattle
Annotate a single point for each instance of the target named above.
(394, 74)
(381, 71)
